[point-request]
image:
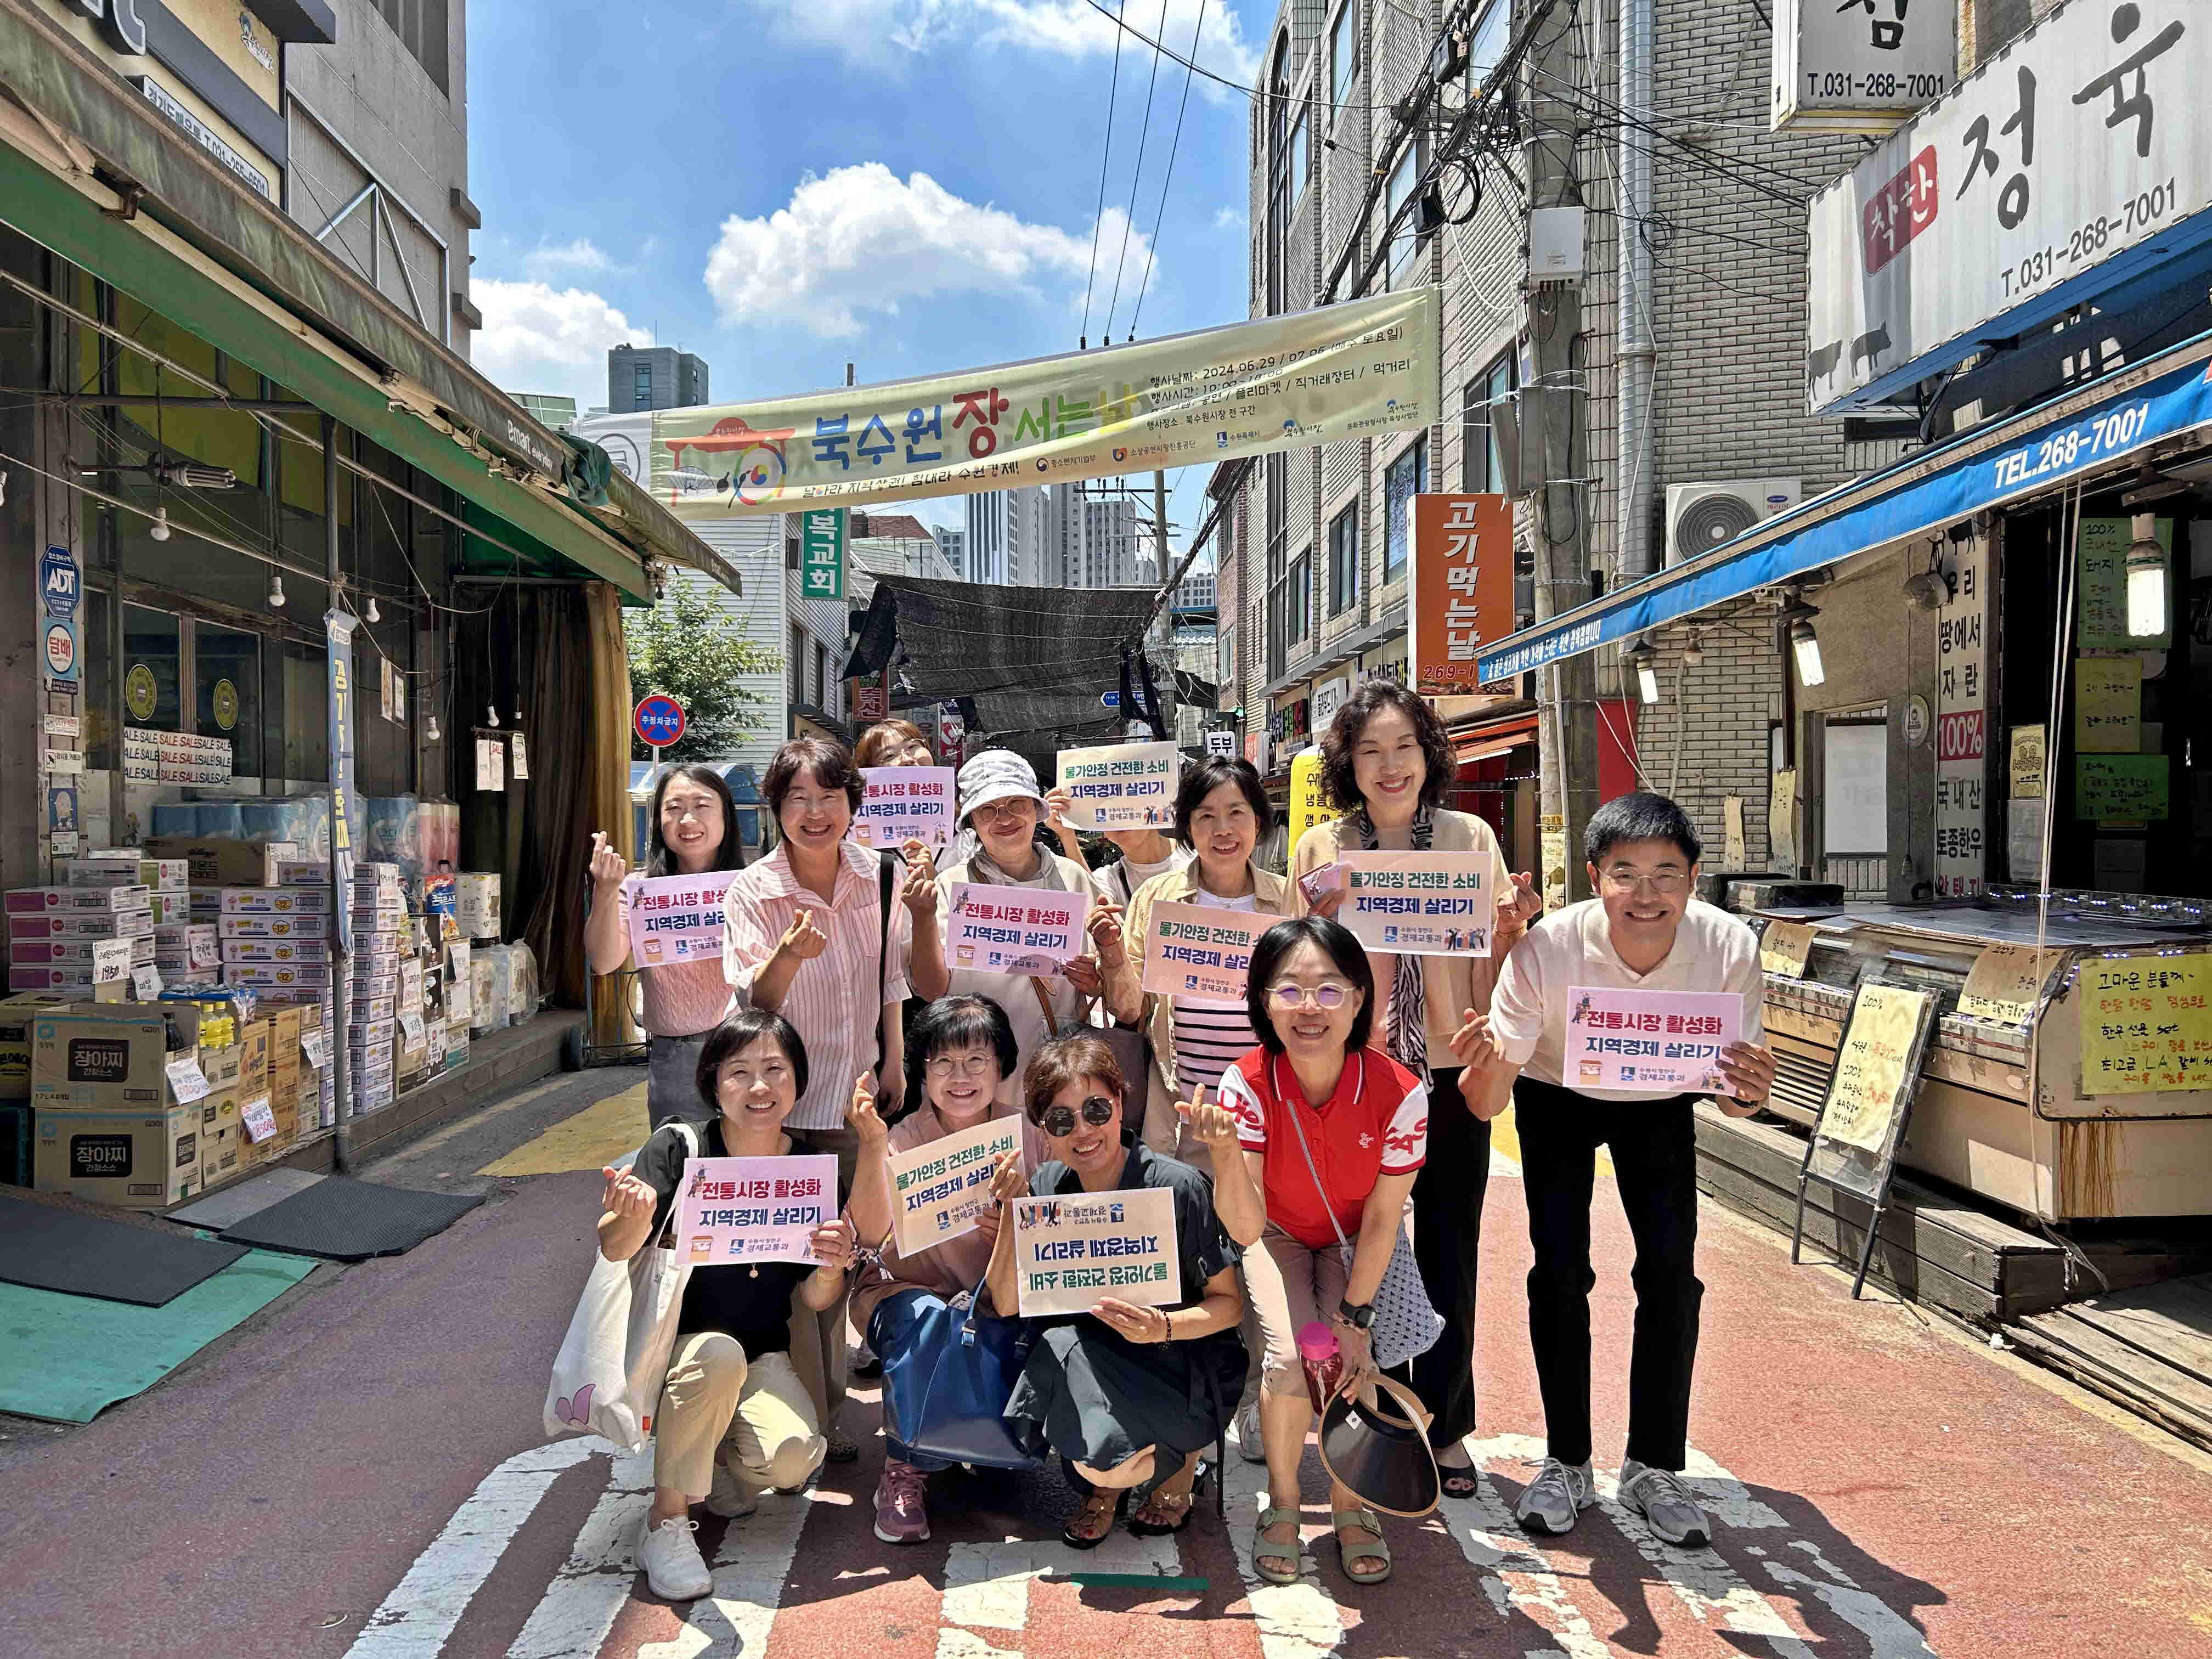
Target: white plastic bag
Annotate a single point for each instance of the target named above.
(608, 1374)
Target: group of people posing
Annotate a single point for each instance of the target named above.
(1346, 1098)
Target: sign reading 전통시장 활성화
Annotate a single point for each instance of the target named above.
(676, 918)
(2146, 1024)
(1071, 1253)
(1123, 785)
(1657, 1043)
(1197, 950)
(900, 804)
(753, 1209)
(1014, 930)
(938, 1189)
(1428, 905)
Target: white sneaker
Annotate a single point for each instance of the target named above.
(669, 1557)
(1250, 1447)
(729, 1496)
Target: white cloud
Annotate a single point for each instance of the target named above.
(1227, 218)
(860, 239)
(582, 254)
(1066, 29)
(539, 338)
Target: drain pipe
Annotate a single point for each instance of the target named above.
(1637, 352)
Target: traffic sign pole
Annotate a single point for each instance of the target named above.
(658, 720)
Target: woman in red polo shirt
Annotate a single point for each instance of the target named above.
(1311, 994)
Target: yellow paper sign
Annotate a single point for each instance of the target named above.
(2146, 1024)
(1781, 820)
(2027, 752)
(1551, 848)
(1784, 947)
(1874, 1075)
(1731, 821)
(2108, 705)
(1308, 808)
(2005, 982)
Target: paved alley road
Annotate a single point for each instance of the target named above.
(360, 1475)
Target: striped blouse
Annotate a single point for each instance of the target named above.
(1212, 1033)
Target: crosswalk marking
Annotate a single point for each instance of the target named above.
(987, 1586)
(590, 1588)
(1295, 1621)
(750, 1571)
(1513, 1574)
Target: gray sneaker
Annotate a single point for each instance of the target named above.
(1556, 1499)
(1248, 1444)
(1665, 1503)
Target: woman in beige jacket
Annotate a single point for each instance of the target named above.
(1221, 811)
(1386, 765)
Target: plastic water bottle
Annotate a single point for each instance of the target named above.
(1323, 1361)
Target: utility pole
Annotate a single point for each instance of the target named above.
(1566, 691)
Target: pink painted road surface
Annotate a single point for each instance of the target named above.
(362, 1476)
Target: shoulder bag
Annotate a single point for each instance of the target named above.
(608, 1373)
(1407, 1324)
(946, 1395)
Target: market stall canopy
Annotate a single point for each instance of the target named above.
(2092, 430)
(90, 170)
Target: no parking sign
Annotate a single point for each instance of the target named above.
(658, 720)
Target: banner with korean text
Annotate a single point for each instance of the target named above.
(1649, 1042)
(1071, 1253)
(753, 1209)
(1197, 950)
(1355, 370)
(1463, 587)
(1423, 904)
(938, 1189)
(1014, 930)
(905, 803)
(1124, 785)
(676, 918)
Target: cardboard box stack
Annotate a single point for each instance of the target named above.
(89, 932)
(381, 932)
(119, 1102)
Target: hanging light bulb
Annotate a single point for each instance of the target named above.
(430, 731)
(1805, 644)
(517, 715)
(491, 715)
(1693, 653)
(369, 612)
(2147, 615)
(1645, 661)
(275, 591)
(159, 529)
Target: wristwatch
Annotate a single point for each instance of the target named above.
(1361, 1318)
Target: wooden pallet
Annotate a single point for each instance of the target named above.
(2148, 1349)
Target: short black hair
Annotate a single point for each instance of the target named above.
(1203, 777)
(831, 764)
(1339, 945)
(660, 858)
(1639, 817)
(1339, 779)
(957, 1022)
(739, 1031)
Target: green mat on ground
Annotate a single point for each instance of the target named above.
(67, 1357)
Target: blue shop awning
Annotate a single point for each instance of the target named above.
(2089, 429)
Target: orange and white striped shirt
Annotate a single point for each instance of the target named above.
(833, 999)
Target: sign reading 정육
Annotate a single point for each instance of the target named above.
(676, 918)
(1071, 1253)
(1649, 1042)
(1862, 66)
(1129, 785)
(1199, 951)
(938, 1189)
(1014, 930)
(753, 1209)
(1428, 905)
(905, 803)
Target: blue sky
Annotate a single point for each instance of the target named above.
(786, 186)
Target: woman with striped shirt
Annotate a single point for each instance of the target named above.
(1220, 813)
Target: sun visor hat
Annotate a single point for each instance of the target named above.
(996, 774)
(1380, 1450)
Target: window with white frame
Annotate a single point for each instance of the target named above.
(1406, 476)
(1344, 561)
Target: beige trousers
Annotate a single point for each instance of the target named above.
(1290, 1285)
(716, 1397)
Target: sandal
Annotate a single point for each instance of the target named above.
(1459, 1480)
(1091, 1506)
(1263, 1551)
(1366, 1520)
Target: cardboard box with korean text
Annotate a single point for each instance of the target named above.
(116, 1057)
(223, 1140)
(253, 1070)
(219, 863)
(15, 1015)
(142, 1160)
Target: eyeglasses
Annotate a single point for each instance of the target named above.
(1059, 1122)
(1329, 996)
(946, 1066)
(1667, 882)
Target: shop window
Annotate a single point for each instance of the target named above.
(421, 26)
(798, 666)
(1484, 405)
(227, 692)
(821, 676)
(152, 670)
(1344, 561)
(305, 677)
(1405, 240)
(1855, 788)
(1298, 596)
(1406, 476)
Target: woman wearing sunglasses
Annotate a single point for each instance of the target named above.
(1333, 1132)
(1127, 1396)
(960, 1051)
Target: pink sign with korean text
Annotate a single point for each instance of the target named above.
(676, 918)
(753, 1209)
(1655, 1042)
(904, 804)
(1014, 930)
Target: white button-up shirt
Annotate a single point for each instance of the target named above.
(1712, 951)
(833, 1000)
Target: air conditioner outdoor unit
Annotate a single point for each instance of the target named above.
(1700, 517)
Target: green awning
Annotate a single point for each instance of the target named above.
(191, 213)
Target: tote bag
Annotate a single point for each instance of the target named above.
(608, 1373)
(946, 1393)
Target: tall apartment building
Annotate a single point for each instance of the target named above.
(953, 544)
(1317, 543)
(1015, 537)
(653, 377)
(986, 536)
(1100, 531)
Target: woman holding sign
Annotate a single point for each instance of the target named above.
(1386, 764)
(1126, 1389)
(694, 830)
(1643, 933)
(960, 1052)
(733, 1418)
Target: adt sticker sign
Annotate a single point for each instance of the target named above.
(58, 581)
(658, 720)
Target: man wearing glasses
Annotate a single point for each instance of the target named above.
(1644, 932)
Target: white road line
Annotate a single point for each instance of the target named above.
(1703, 1580)
(752, 1568)
(1295, 1621)
(414, 1621)
(592, 1587)
(1513, 1574)
(987, 1586)
(1505, 1166)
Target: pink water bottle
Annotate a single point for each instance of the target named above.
(1323, 1361)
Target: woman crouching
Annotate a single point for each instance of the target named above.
(1126, 1396)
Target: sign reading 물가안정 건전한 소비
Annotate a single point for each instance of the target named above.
(1430, 904)
(1198, 950)
(938, 1189)
(1129, 785)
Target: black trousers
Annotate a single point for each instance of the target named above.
(1655, 1168)
(1447, 1196)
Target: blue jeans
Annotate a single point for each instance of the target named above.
(888, 1335)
